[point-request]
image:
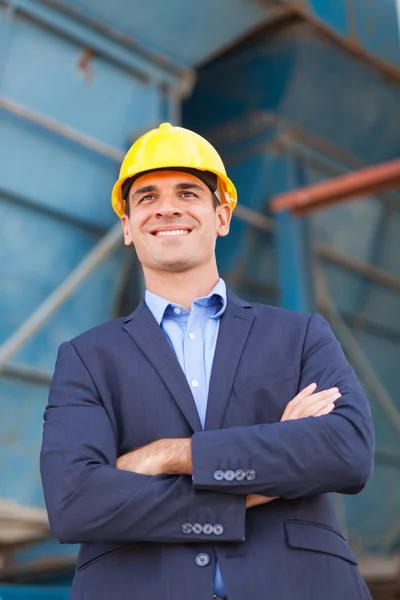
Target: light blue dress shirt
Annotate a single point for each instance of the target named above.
(193, 337)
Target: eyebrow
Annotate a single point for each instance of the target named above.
(144, 190)
(153, 188)
(189, 186)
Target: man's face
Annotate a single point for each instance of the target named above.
(173, 223)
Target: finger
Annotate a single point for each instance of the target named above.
(251, 500)
(256, 500)
(324, 396)
(325, 411)
(319, 396)
(302, 407)
(306, 392)
(304, 400)
(312, 411)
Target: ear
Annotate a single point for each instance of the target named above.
(126, 226)
(224, 216)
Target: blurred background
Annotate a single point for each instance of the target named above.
(302, 99)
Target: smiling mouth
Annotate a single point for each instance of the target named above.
(171, 232)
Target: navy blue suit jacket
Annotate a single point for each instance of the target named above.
(119, 386)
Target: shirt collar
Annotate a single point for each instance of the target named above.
(158, 305)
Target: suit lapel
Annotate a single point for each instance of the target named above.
(234, 328)
(150, 338)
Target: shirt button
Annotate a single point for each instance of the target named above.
(250, 475)
(208, 529)
(202, 559)
(229, 475)
(187, 528)
(195, 383)
(177, 310)
(218, 475)
(192, 336)
(218, 529)
(197, 528)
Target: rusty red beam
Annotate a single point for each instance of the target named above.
(366, 181)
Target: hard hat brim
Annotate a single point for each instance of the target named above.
(229, 193)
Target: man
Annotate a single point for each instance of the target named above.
(186, 447)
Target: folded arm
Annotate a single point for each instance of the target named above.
(174, 456)
(89, 500)
(295, 458)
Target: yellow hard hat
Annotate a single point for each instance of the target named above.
(169, 146)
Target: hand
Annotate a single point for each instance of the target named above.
(163, 457)
(256, 500)
(305, 404)
(308, 404)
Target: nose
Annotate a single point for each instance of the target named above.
(168, 206)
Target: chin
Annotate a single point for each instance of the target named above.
(175, 265)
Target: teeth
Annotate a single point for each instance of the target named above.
(173, 232)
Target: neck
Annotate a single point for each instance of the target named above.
(182, 288)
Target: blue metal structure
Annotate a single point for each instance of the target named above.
(289, 92)
(370, 26)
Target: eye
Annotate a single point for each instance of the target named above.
(188, 195)
(147, 198)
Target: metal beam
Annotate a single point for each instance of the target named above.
(293, 244)
(390, 459)
(106, 246)
(254, 218)
(355, 353)
(376, 274)
(366, 323)
(302, 8)
(366, 181)
(294, 260)
(72, 13)
(60, 129)
(104, 41)
(285, 136)
(27, 373)
(50, 211)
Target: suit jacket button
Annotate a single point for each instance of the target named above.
(218, 529)
(240, 475)
(250, 475)
(208, 529)
(229, 475)
(219, 475)
(202, 559)
(187, 528)
(197, 528)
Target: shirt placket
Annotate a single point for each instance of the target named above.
(193, 349)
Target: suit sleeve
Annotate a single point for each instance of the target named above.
(89, 500)
(290, 459)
